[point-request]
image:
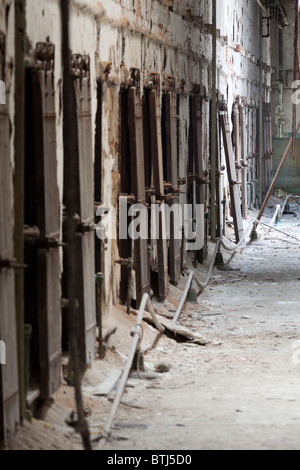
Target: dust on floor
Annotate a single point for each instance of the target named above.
(240, 391)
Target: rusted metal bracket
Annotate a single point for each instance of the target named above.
(128, 262)
(11, 263)
(135, 80)
(244, 164)
(81, 66)
(31, 234)
(181, 181)
(150, 192)
(44, 55)
(50, 242)
(154, 82)
(197, 178)
(86, 227)
(169, 83)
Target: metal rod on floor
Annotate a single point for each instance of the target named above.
(277, 213)
(277, 230)
(291, 196)
(137, 337)
(183, 298)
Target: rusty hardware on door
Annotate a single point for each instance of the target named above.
(128, 262)
(169, 83)
(168, 186)
(238, 166)
(11, 264)
(150, 192)
(86, 227)
(81, 65)
(31, 234)
(168, 197)
(50, 242)
(135, 79)
(154, 82)
(45, 55)
(197, 179)
(181, 181)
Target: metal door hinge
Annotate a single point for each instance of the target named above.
(11, 264)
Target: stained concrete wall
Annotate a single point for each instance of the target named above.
(166, 36)
(282, 107)
(287, 71)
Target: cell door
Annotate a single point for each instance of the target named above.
(197, 146)
(158, 183)
(47, 219)
(232, 175)
(170, 118)
(137, 169)
(9, 395)
(86, 236)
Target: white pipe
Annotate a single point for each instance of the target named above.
(183, 299)
(278, 211)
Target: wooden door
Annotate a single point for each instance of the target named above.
(244, 171)
(198, 159)
(9, 394)
(137, 169)
(171, 156)
(48, 274)
(232, 175)
(86, 237)
(158, 181)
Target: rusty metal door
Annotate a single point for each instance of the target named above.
(158, 181)
(232, 174)
(9, 394)
(198, 159)
(135, 115)
(243, 161)
(48, 287)
(86, 237)
(171, 150)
